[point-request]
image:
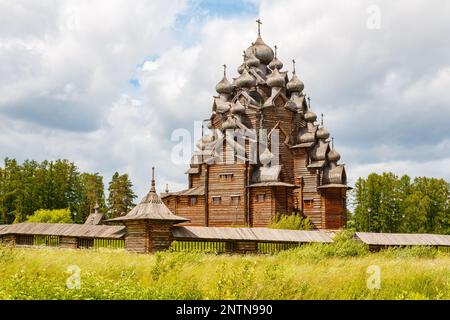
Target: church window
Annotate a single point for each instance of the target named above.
(261, 197)
(308, 204)
(192, 201)
(216, 200)
(226, 176)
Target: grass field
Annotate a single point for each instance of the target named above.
(337, 271)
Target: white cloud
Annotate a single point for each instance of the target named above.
(383, 92)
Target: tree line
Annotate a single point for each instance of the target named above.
(381, 202)
(388, 203)
(49, 185)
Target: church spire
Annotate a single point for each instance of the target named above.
(153, 189)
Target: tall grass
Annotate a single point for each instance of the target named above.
(337, 271)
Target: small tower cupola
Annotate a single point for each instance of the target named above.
(322, 133)
(295, 85)
(275, 63)
(224, 86)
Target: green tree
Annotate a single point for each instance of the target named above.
(386, 203)
(51, 216)
(415, 210)
(92, 193)
(121, 195)
(27, 187)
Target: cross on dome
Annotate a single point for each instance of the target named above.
(259, 26)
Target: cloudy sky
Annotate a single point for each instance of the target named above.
(105, 83)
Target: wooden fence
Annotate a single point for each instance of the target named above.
(47, 241)
(200, 246)
(80, 243)
(220, 247)
(274, 247)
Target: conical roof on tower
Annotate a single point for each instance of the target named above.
(151, 207)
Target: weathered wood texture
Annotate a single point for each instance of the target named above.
(148, 236)
(159, 236)
(184, 206)
(309, 179)
(9, 239)
(250, 234)
(245, 247)
(403, 239)
(326, 209)
(68, 242)
(334, 208)
(65, 229)
(136, 238)
(261, 210)
(226, 183)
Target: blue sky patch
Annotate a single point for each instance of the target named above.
(135, 83)
(199, 10)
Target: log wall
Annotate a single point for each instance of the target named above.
(334, 208)
(160, 236)
(245, 247)
(261, 212)
(226, 213)
(184, 208)
(136, 238)
(309, 180)
(68, 242)
(9, 239)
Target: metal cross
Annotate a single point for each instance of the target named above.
(276, 50)
(224, 70)
(259, 26)
(321, 120)
(293, 63)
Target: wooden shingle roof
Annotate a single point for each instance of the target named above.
(403, 239)
(250, 234)
(272, 184)
(151, 207)
(196, 191)
(65, 229)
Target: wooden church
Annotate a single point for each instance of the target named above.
(241, 177)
